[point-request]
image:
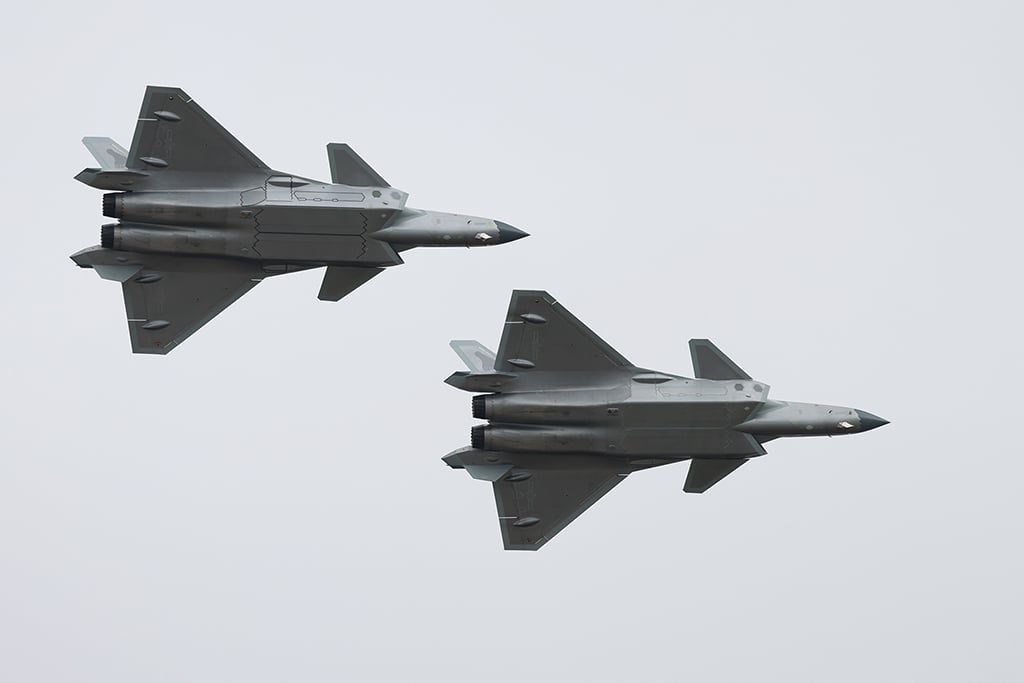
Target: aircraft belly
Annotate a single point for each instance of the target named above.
(685, 442)
(324, 249)
(686, 414)
(322, 234)
(320, 220)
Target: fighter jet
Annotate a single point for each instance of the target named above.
(568, 418)
(202, 221)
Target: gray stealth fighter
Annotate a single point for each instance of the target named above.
(202, 221)
(569, 418)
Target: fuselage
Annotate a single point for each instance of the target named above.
(652, 415)
(283, 218)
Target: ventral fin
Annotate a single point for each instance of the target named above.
(340, 281)
(706, 472)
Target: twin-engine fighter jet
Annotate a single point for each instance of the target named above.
(569, 418)
(202, 221)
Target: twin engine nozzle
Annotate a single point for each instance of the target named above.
(112, 204)
(528, 422)
(541, 438)
(480, 407)
(151, 225)
(549, 408)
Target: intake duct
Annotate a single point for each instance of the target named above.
(476, 436)
(107, 236)
(112, 204)
(480, 407)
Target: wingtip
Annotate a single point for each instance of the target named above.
(516, 293)
(163, 88)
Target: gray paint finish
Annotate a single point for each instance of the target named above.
(204, 220)
(570, 417)
(829, 191)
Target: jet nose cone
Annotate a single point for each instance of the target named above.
(869, 421)
(506, 233)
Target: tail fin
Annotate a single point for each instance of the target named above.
(107, 153)
(480, 361)
(477, 357)
(710, 363)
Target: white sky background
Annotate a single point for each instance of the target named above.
(830, 191)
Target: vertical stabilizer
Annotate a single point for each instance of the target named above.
(108, 154)
(477, 357)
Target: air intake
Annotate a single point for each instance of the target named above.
(476, 436)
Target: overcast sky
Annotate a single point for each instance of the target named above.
(831, 191)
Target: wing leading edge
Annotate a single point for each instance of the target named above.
(176, 134)
(540, 334)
